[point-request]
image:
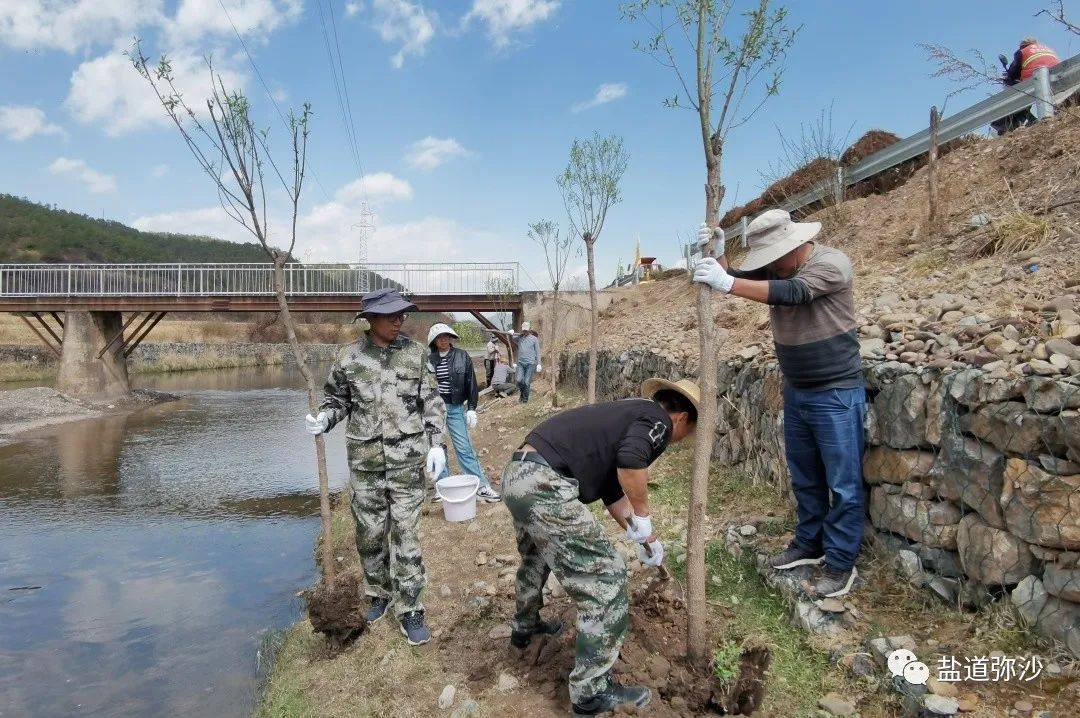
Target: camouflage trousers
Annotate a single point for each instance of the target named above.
(386, 510)
(555, 532)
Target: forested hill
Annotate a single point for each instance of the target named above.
(31, 232)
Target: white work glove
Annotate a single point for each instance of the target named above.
(704, 234)
(436, 461)
(708, 271)
(656, 549)
(539, 368)
(470, 418)
(639, 528)
(513, 366)
(317, 424)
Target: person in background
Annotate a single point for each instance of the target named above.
(491, 356)
(1028, 58)
(528, 360)
(500, 380)
(383, 387)
(456, 379)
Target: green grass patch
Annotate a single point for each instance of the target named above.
(754, 613)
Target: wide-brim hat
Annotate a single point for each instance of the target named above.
(773, 234)
(385, 301)
(436, 330)
(687, 388)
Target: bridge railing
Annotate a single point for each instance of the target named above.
(204, 280)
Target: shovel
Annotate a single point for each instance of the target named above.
(662, 570)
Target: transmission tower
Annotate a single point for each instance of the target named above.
(366, 225)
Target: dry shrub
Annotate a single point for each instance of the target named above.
(872, 141)
(819, 170)
(1015, 232)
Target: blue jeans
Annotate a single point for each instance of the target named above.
(823, 440)
(525, 372)
(459, 435)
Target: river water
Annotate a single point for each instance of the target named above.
(145, 558)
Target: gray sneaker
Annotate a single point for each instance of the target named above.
(794, 556)
(488, 495)
(835, 582)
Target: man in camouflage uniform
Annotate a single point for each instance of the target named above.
(597, 452)
(384, 386)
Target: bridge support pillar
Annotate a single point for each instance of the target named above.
(84, 369)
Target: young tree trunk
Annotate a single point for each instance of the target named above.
(696, 608)
(931, 170)
(313, 405)
(553, 353)
(593, 338)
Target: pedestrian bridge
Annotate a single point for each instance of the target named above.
(116, 306)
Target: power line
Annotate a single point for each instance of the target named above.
(269, 94)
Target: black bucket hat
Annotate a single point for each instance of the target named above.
(385, 301)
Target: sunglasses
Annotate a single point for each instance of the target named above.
(398, 318)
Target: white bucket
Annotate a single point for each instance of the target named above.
(458, 494)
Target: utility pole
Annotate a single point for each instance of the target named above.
(366, 226)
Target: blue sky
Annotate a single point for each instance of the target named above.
(464, 110)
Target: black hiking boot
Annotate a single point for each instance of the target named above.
(521, 639)
(378, 608)
(612, 698)
(414, 628)
(794, 556)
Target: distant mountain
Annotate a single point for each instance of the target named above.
(32, 232)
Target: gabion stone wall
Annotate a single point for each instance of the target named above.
(973, 480)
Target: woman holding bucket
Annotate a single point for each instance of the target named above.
(458, 389)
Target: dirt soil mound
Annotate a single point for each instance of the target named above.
(335, 609)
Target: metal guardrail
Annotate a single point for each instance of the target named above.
(1064, 78)
(204, 280)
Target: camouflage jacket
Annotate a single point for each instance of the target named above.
(391, 401)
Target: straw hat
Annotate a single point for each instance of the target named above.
(772, 234)
(687, 388)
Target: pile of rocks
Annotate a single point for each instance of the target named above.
(954, 331)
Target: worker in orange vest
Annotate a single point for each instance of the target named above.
(1029, 58)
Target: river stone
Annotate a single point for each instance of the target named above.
(1051, 616)
(992, 556)
(908, 566)
(500, 632)
(940, 705)
(507, 682)
(834, 705)
(1062, 582)
(871, 347)
(1040, 507)
(901, 411)
(446, 698)
(884, 465)
(1013, 429)
(933, 523)
(970, 471)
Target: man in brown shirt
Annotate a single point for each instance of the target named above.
(808, 288)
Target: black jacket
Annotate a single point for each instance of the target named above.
(463, 384)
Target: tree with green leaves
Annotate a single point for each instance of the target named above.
(725, 74)
(236, 156)
(557, 251)
(589, 187)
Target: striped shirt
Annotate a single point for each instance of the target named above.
(813, 322)
(442, 375)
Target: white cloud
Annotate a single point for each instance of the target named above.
(375, 188)
(194, 19)
(107, 91)
(607, 92)
(96, 182)
(407, 23)
(279, 95)
(430, 152)
(71, 25)
(353, 8)
(504, 17)
(20, 122)
(159, 171)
